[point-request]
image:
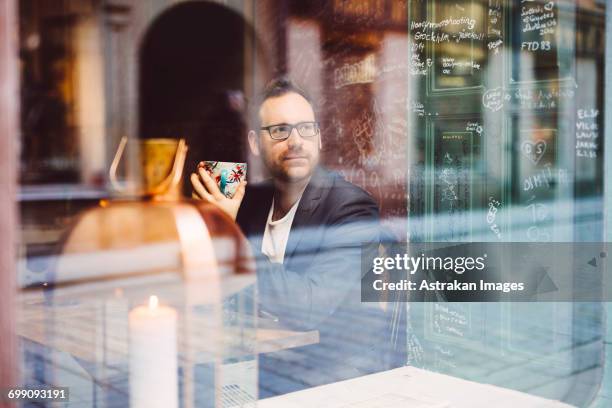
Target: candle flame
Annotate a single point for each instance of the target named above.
(153, 302)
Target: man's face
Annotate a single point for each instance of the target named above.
(292, 159)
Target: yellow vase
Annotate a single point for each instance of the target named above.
(161, 165)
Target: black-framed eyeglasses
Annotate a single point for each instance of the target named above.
(282, 131)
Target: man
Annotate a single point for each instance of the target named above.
(306, 227)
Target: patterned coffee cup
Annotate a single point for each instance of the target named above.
(227, 175)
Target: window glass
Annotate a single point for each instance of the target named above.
(466, 121)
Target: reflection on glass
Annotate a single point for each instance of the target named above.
(466, 121)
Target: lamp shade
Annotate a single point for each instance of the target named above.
(128, 238)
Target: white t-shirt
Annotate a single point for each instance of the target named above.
(277, 233)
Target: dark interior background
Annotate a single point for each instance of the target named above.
(191, 84)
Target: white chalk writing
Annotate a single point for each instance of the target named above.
(491, 215)
(534, 151)
(545, 178)
(358, 73)
(587, 133)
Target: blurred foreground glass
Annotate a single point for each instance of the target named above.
(74, 325)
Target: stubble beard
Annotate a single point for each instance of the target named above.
(283, 174)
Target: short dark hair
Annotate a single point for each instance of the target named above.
(278, 86)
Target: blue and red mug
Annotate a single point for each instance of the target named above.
(227, 175)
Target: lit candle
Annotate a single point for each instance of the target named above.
(153, 356)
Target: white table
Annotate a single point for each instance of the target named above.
(408, 387)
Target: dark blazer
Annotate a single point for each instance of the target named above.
(318, 285)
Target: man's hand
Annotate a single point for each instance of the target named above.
(205, 188)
